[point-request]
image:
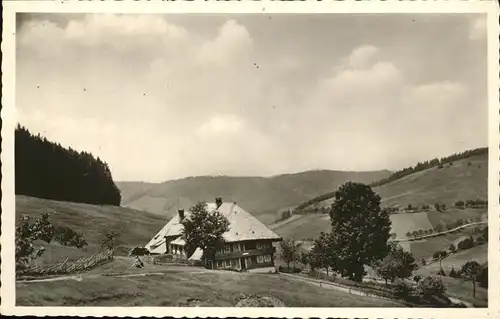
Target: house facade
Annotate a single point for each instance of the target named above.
(247, 245)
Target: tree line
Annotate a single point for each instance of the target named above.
(431, 163)
(45, 169)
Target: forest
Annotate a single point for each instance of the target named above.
(45, 169)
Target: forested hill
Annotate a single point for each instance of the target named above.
(436, 162)
(47, 170)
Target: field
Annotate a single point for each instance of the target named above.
(183, 286)
(135, 227)
(465, 179)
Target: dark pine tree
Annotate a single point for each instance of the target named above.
(47, 170)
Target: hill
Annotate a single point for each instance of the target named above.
(45, 169)
(135, 227)
(461, 179)
(261, 196)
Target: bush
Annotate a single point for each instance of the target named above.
(482, 277)
(289, 269)
(439, 255)
(466, 243)
(417, 278)
(402, 289)
(453, 273)
(441, 272)
(431, 287)
(452, 248)
(139, 251)
(460, 204)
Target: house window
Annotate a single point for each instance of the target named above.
(219, 264)
(227, 263)
(228, 248)
(263, 259)
(250, 246)
(236, 247)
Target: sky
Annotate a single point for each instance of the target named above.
(162, 97)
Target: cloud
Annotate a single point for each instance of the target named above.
(478, 28)
(161, 98)
(362, 56)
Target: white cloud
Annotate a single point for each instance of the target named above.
(478, 28)
(362, 56)
(160, 100)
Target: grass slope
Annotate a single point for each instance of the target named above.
(447, 185)
(257, 195)
(182, 286)
(136, 227)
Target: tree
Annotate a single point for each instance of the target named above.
(397, 264)
(408, 234)
(322, 253)
(417, 278)
(205, 230)
(439, 228)
(423, 262)
(420, 232)
(286, 247)
(25, 238)
(460, 204)
(452, 248)
(482, 278)
(47, 170)
(360, 229)
(466, 243)
(414, 234)
(485, 233)
(109, 239)
(471, 270)
(453, 273)
(430, 287)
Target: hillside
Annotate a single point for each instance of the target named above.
(135, 227)
(460, 180)
(45, 169)
(261, 196)
(465, 178)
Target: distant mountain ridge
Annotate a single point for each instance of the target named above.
(258, 195)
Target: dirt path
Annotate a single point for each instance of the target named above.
(82, 277)
(354, 291)
(329, 285)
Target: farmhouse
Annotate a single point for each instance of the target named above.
(248, 243)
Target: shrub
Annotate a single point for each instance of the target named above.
(452, 248)
(423, 262)
(431, 287)
(441, 272)
(417, 278)
(439, 254)
(408, 234)
(466, 243)
(460, 204)
(453, 273)
(402, 289)
(482, 277)
(289, 269)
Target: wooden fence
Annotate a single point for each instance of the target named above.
(64, 267)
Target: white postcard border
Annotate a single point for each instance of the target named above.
(8, 115)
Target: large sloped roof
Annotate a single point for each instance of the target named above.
(242, 226)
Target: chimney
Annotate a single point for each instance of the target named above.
(218, 201)
(181, 214)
